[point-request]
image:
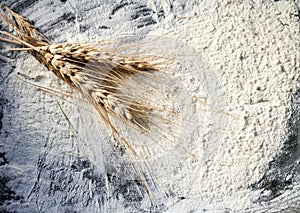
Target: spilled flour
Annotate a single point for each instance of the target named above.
(254, 49)
(240, 58)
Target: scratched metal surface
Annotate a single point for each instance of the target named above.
(36, 173)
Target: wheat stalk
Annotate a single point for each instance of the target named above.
(97, 76)
(102, 78)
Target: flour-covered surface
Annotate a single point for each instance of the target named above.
(239, 58)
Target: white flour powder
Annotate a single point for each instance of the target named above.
(242, 59)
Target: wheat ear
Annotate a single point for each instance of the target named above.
(100, 76)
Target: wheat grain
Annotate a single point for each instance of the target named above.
(109, 82)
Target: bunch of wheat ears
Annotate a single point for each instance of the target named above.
(108, 82)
